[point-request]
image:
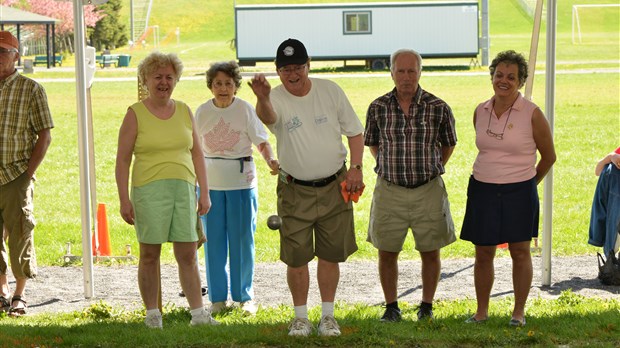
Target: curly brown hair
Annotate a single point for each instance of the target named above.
(511, 57)
(230, 68)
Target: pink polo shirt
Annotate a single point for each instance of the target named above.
(512, 159)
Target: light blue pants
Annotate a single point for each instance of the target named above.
(230, 227)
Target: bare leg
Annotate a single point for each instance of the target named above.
(388, 274)
(521, 276)
(185, 254)
(328, 275)
(484, 275)
(431, 270)
(4, 286)
(298, 279)
(147, 269)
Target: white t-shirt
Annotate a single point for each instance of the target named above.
(309, 129)
(229, 133)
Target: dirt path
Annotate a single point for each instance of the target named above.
(59, 289)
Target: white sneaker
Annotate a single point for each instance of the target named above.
(300, 327)
(153, 321)
(248, 308)
(328, 326)
(204, 318)
(217, 307)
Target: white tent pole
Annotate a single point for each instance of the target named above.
(529, 83)
(550, 112)
(82, 113)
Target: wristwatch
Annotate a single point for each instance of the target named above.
(356, 166)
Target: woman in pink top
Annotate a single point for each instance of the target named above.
(502, 199)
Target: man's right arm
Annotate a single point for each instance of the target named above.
(264, 109)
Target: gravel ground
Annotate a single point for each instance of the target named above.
(61, 289)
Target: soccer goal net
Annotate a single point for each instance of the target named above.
(596, 23)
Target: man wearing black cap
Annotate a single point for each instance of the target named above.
(25, 122)
(308, 116)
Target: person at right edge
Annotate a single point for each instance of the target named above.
(502, 198)
(605, 214)
(309, 116)
(411, 134)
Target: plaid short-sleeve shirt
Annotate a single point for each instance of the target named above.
(409, 146)
(23, 113)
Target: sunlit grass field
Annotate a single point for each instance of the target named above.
(586, 124)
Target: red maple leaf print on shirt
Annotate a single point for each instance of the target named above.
(221, 138)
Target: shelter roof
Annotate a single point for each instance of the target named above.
(11, 15)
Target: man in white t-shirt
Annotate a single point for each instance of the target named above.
(308, 117)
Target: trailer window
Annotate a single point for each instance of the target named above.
(357, 22)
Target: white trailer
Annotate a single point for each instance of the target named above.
(359, 31)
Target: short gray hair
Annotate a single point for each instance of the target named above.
(405, 50)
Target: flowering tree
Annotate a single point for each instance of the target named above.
(60, 10)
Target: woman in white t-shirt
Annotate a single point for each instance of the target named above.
(227, 127)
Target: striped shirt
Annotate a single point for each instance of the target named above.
(409, 146)
(23, 113)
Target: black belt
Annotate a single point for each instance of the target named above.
(416, 185)
(240, 159)
(315, 183)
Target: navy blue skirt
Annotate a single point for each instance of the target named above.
(501, 213)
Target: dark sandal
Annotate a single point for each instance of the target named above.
(17, 312)
(5, 304)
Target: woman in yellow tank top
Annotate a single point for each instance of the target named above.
(159, 133)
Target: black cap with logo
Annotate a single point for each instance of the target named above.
(291, 51)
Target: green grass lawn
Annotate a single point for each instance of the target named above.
(569, 321)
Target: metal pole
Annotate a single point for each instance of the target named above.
(550, 112)
(82, 112)
(131, 29)
(485, 40)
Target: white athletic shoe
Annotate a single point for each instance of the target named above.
(328, 326)
(217, 307)
(153, 321)
(204, 318)
(300, 327)
(248, 308)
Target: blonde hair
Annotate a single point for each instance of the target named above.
(157, 60)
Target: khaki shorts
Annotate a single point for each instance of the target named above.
(16, 205)
(396, 209)
(165, 211)
(315, 222)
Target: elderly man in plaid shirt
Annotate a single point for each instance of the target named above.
(411, 134)
(25, 123)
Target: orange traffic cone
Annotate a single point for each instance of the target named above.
(103, 237)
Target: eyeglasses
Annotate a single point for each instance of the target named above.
(5, 51)
(498, 136)
(219, 84)
(287, 70)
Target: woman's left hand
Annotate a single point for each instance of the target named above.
(204, 204)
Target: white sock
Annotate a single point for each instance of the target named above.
(327, 308)
(301, 312)
(150, 312)
(196, 311)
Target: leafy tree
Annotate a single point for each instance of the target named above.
(109, 33)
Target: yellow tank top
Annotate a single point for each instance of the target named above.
(163, 147)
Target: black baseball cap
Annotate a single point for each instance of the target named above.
(291, 51)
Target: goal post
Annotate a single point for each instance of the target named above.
(576, 23)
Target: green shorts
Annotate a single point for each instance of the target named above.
(315, 222)
(396, 209)
(165, 211)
